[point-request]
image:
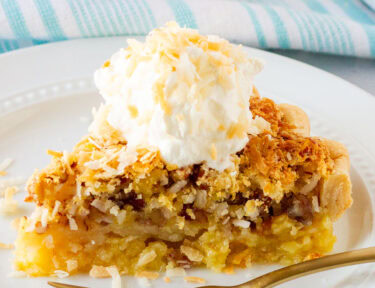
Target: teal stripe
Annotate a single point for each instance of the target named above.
(85, 18)
(182, 13)
(49, 19)
(99, 31)
(306, 27)
(354, 12)
(143, 16)
(123, 28)
(281, 32)
(102, 18)
(258, 28)
(77, 18)
(358, 15)
(150, 14)
(7, 45)
(327, 32)
(344, 33)
(316, 6)
(106, 14)
(136, 18)
(298, 24)
(15, 18)
(2, 47)
(125, 14)
(318, 37)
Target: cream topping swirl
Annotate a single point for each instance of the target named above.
(182, 93)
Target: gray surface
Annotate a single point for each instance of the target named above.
(358, 71)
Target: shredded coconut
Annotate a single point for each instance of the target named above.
(99, 272)
(9, 206)
(17, 274)
(177, 186)
(192, 279)
(146, 258)
(241, 223)
(315, 204)
(44, 217)
(116, 278)
(72, 223)
(5, 164)
(176, 272)
(192, 253)
(71, 265)
(148, 275)
(60, 274)
(56, 208)
(48, 242)
(6, 246)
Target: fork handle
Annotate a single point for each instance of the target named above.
(280, 276)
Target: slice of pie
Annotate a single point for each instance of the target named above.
(185, 165)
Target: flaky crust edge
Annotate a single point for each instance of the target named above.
(336, 190)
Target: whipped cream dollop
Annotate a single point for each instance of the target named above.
(182, 93)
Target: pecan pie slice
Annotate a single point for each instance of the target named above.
(253, 186)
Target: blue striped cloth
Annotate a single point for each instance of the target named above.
(343, 27)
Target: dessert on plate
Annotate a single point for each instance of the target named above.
(185, 165)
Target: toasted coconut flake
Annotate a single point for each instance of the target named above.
(4, 165)
(44, 217)
(148, 275)
(60, 274)
(201, 199)
(114, 210)
(99, 204)
(6, 246)
(177, 186)
(72, 223)
(146, 258)
(259, 125)
(167, 279)
(252, 208)
(116, 278)
(56, 208)
(241, 223)
(66, 157)
(99, 272)
(17, 274)
(311, 185)
(192, 253)
(71, 265)
(48, 242)
(121, 216)
(15, 181)
(93, 142)
(176, 272)
(192, 279)
(9, 206)
(3, 173)
(315, 204)
(213, 152)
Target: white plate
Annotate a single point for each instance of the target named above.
(45, 103)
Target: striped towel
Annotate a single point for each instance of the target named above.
(343, 27)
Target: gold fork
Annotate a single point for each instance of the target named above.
(282, 275)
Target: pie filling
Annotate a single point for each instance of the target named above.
(185, 165)
(153, 216)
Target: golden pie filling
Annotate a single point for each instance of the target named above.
(275, 205)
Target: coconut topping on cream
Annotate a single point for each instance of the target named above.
(182, 93)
